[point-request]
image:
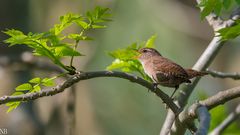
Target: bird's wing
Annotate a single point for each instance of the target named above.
(166, 69)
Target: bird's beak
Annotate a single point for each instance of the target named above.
(137, 56)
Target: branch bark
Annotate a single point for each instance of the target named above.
(204, 120)
(189, 114)
(79, 76)
(221, 97)
(214, 73)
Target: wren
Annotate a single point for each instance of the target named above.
(163, 71)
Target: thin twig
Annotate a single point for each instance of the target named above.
(214, 73)
(221, 97)
(89, 75)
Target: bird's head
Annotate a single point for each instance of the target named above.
(147, 53)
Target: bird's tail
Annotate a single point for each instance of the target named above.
(193, 73)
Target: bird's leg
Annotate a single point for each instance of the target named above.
(176, 87)
(155, 86)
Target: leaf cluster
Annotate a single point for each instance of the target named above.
(51, 44)
(215, 6)
(34, 85)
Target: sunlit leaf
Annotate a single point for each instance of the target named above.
(230, 32)
(65, 50)
(210, 6)
(36, 88)
(24, 87)
(98, 26)
(48, 82)
(150, 41)
(12, 106)
(36, 80)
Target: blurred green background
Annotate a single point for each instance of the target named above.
(111, 106)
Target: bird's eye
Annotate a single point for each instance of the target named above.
(144, 51)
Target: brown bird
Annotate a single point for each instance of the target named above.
(164, 71)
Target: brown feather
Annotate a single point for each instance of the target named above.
(193, 73)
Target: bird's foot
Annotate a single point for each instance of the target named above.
(155, 86)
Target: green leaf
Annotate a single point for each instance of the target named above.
(150, 41)
(48, 82)
(237, 1)
(66, 21)
(230, 32)
(227, 3)
(12, 106)
(64, 50)
(98, 26)
(83, 24)
(210, 6)
(36, 88)
(13, 32)
(24, 87)
(218, 8)
(36, 80)
(98, 15)
(78, 37)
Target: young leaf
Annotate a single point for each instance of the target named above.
(66, 21)
(64, 50)
(78, 37)
(150, 41)
(230, 32)
(12, 106)
(24, 87)
(36, 80)
(48, 82)
(83, 24)
(36, 88)
(210, 6)
(98, 26)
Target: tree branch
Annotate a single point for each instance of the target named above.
(204, 120)
(221, 97)
(79, 76)
(203, 62)
(227, 122)
(214, 73)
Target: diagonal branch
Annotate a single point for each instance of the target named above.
(204, 120)
(203, 62)
(227, 122)
(214, 73)
(89, 75)
(221, 97)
